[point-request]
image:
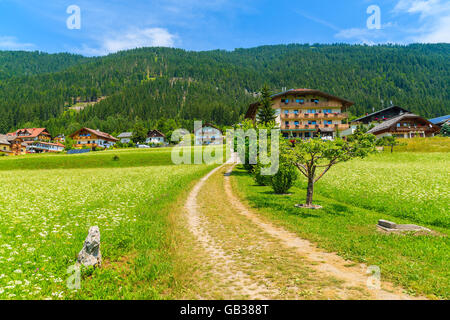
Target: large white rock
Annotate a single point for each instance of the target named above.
(90, 254)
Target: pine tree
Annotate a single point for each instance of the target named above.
(266, 113)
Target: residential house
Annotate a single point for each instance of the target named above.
(125, 137)
(90, 138)
(37, 140)
(43, 147)
(60, 139)
(407, 125)
(5, 145)
(307, 113)
(33, 134)
(155, 137)
(208, 135)
(382, 115)
(12, 145)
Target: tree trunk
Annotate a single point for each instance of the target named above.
(310, 192)
(392, 148)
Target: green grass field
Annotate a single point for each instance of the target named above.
(435, 144)
(401, 187)
(100, 159)
(48, 203)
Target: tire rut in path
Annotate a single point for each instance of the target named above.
(239, 282)
(324, 262)
(230, 272)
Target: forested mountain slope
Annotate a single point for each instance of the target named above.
(19, 63)
(150, 84)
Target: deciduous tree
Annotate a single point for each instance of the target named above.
(139, 133)
(315, 157)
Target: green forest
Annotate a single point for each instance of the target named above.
(165, 88)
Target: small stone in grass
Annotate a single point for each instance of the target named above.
(90, 255)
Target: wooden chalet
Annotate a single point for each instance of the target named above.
(382, 115)
(12, 145)
(90, 138)
(407, 125)
(32, 134)
(37, 140)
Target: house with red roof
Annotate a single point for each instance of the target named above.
(37, 140)
(32, 134)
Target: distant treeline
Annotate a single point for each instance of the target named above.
(150, 84)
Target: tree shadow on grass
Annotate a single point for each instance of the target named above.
(337, 209)
(239, 173)
(269, 200)
(272, 201)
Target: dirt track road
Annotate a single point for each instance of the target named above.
(248, 257)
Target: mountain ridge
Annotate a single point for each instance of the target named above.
(140, 84)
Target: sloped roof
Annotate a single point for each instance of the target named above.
(380, 111)
(326, 129)
(388, 123)
(125, 135)
(155, 133)
(98, 133)
(304, 91)
(28, 143)
(4, 139)
(253, 108)
(31, 132)
(440, 120)
(209, 125)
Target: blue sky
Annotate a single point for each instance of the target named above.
(113, 25)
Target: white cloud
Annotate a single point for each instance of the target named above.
(136, 38)
(424, 7)
(434, 17)
(11, 43)
(439, 33)
(365, 35)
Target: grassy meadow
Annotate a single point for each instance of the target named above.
(404, 187)
(435, 144)
(45, 215)
(48, 203)
(103, 159)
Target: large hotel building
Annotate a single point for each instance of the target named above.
(306, 113)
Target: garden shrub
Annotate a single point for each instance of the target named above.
(283, 180)
(261, 180)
